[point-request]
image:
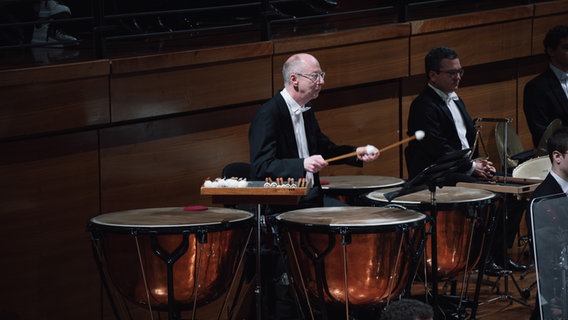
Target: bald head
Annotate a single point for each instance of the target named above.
(297, 63)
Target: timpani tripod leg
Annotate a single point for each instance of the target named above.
(416, 248)
(170, 259)
(258, 291)
(489, 229)
(104, 280)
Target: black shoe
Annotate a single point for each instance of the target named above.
(492, 269)
(513, 266)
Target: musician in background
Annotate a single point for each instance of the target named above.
(546, 96)
(448, 127)
(556, 182)
(286, 141)
(441, 114)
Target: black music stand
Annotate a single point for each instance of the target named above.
(430, 178)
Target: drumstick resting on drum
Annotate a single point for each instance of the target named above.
(418, 135)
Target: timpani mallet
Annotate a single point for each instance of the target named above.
(418, 135)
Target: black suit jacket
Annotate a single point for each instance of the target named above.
(543, 101)
(548, 186)
(428, 112)
(273, 148)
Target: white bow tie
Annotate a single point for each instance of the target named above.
(300, 110)
(452, 96)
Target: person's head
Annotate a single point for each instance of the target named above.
(408, 309)
(303, 77)
(556, 46)
(443, 69)
(557, 146)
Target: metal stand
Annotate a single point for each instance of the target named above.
(505, 274)
(430, 178)
(258, 288)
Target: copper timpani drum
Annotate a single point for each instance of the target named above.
(461, 216)
(170, 259)
(351, 256)
(350, 188)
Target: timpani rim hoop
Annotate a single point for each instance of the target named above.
(447, 195)
(350, 219)
(360, 181)
(170, 220)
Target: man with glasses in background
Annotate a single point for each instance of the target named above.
(286, 142)
(448, 128)
(442, 115)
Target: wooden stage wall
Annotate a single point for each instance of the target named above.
(81, 139)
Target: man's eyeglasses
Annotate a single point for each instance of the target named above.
(453, 73)
(313, 76)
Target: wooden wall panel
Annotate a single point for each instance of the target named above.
(528, 69)
(364, 124)
(550, 8)
(491, 100)
(476, 45)
(53, 98)
(341, 38)
(48, 191)
(473, 19)
(183, 59)
(164, 92)
(164, 162)
(169, 83)
(541, 25)
(355, 64)
(522, 126)
(411, 87)
(358, 117)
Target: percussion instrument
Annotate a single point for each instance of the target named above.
(350, 188)
(535, 168)
(461, 213)
(352, 256)
(552, 126)
(170, 259)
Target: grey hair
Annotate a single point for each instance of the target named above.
(292, 65)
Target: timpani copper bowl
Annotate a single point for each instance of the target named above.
(357, 257)
(461, 217)
(170, 258)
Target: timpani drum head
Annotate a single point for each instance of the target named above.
(357, 182)
(535, 168)
(447, 195)
(356, 219)
(173, 218)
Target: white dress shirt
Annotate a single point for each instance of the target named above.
(296, 112)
